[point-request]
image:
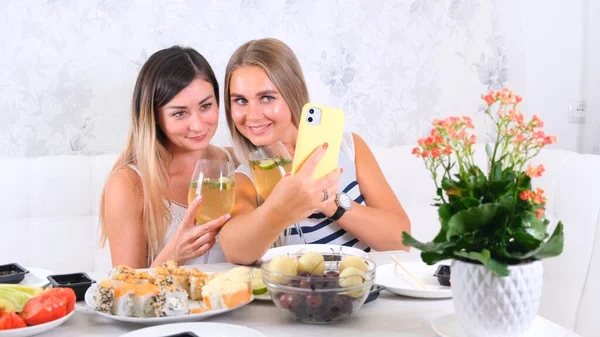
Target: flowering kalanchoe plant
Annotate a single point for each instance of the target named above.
(496, 219)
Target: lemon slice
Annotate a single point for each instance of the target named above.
(225, 183)
(267, 164)
(258, 287)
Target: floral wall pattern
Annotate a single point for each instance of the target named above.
(67, 67)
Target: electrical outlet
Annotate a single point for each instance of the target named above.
(577, 111)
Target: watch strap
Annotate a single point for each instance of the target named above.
(338, 214)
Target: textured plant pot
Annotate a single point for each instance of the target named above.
(492, 306)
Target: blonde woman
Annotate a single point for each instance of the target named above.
(353, 206)
(144, 213)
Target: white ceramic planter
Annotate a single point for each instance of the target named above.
(490, 306)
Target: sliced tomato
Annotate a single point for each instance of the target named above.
(10, 320)
(43, 309)
(67, 293)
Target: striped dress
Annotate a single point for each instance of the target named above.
(317, 228)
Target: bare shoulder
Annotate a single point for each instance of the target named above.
(124, 184)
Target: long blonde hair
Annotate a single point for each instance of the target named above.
(282, 68)
(161, 78)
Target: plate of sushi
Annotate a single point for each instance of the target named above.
(169, 294)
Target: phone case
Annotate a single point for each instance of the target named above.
(319, 124)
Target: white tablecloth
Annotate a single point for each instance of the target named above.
(389, 315)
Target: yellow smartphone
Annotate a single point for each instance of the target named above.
(319, 124)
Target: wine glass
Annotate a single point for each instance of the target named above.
(214, 180)
(268, 165)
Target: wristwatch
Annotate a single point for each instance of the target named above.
(344, 203)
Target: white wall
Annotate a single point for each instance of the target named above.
(545, 46)
(591, 135)
(67, 68)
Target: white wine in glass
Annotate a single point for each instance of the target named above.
(268, 165)
(214, 180)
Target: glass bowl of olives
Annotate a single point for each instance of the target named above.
(318, 288)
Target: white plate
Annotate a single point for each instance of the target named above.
(89, 300)
(263, 297)
(36, 329)
(323, 249)
(201, 329)
(395, 280)
(448, 326)
(36, 277)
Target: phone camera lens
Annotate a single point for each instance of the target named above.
(310, 119)
(311, 111)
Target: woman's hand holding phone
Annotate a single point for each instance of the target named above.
(299, 195)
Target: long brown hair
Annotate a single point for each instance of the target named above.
(282, 68)
(161, 78)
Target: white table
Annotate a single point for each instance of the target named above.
(389, 315)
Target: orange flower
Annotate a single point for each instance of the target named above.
(536, 122)
(539, 213)
(435, 152)
(519, 139)
(488, 99)
(526, 195)
(548, 140)
(539, 196)
(518, 99)
(535, 172)
(416, 151)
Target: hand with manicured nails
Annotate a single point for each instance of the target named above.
(191, 241)
(300, 195)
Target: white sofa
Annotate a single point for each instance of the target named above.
(49, 219)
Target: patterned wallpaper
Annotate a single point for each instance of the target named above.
(67, 68)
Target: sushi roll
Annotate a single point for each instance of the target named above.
(143, 278)
(239, 274)
(121, 270)
(171, 265)
(122, 279)
(144, 298)
(181, 279)
(172, 301)
(220, 292)
(123, 301)
(105, 296)
(197, 280)
(163, 277)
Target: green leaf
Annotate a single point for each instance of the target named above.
(445, 212)
(554, 245)
(472, 219)
(409, 241)
(469, 202)
(496, 173)
(497, 268)
(433, 258)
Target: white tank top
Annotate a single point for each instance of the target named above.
(177, 211)
(317, 228)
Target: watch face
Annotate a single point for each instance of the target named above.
(344, 201)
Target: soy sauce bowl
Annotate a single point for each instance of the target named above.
(79, 282)
(12, 273)
(316, 298)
